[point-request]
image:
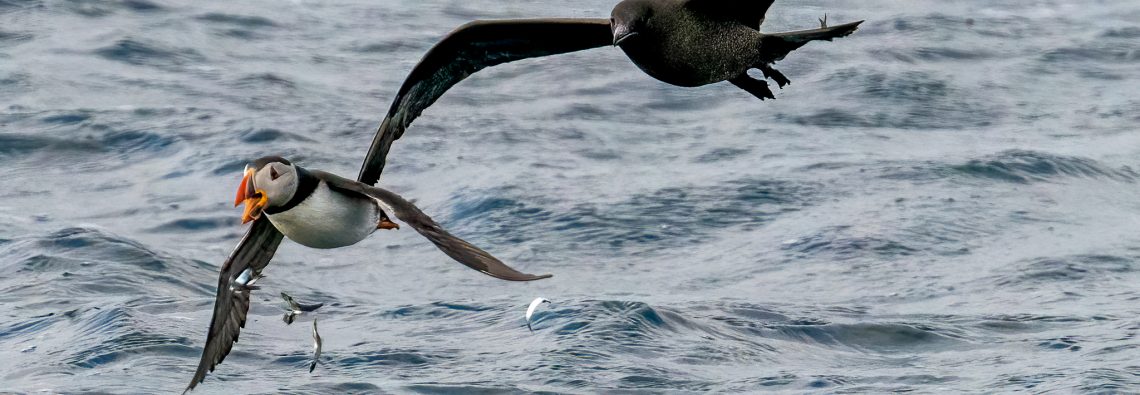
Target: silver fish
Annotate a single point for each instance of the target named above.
(293, 308)
(530, 310)
(316, 347)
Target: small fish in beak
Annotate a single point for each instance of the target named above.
(254, 199)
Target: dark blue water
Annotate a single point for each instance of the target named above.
(945, 201)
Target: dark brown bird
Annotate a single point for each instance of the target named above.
(681, 42)
(699, 42)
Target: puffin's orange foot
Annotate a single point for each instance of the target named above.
(387, 224)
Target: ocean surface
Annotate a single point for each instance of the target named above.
(945, 201)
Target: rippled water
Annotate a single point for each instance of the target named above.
(944, 201)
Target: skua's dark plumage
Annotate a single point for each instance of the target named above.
(681, 42)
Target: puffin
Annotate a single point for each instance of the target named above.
(320, 210)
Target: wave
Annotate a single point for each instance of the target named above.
(1086, 269)
(247, 21)
(143, 53)
(105, 8)
(245, 27)
(1014, 166)
(1023, 167)
(666, 216)
(836, 244)
(7, 38)
(86, 261)
(917, 99)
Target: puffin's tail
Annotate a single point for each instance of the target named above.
(775, 46)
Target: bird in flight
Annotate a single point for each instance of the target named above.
(681, 42)
(318, 210)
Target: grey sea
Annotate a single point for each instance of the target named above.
(945, 201)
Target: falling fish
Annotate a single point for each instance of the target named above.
(244, 282)
(316, 347)
(530, 310)
(293, 308)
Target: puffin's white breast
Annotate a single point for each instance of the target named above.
(328, 219)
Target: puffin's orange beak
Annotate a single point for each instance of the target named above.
(254, 199)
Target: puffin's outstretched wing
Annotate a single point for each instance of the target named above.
(454, 247)
(232, 302)
(468, 49)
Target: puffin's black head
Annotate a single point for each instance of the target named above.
(265, 160)
(629, 18)
(269, 181)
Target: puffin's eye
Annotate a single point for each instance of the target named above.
(273, 173)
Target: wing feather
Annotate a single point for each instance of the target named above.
(776, 46)
(468, 49)
(254, 251)
(456, 248)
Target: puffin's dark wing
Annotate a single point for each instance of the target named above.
(471, 48)
(230, 306)
(748, 12)
(454, 247)
(775, 46)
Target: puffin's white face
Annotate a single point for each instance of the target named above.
(271, 185)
